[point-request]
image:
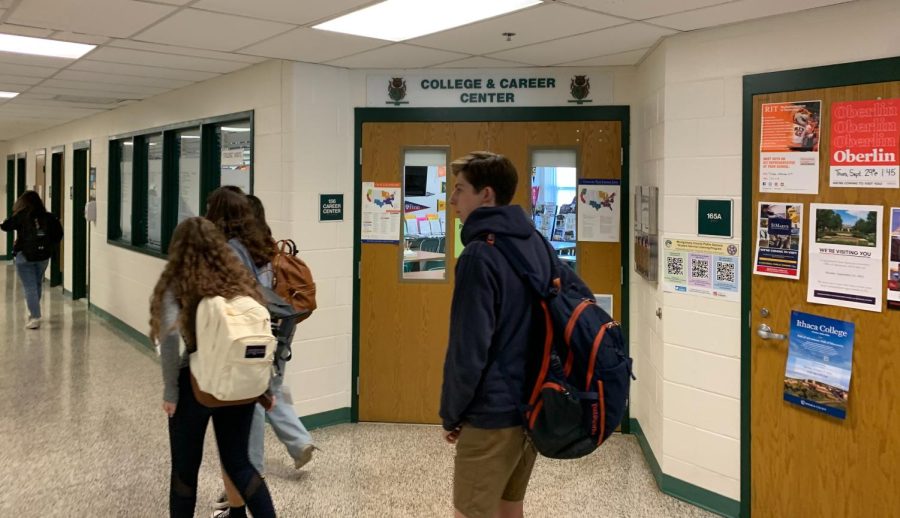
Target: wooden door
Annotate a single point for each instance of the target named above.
(58, 206)
(404, 325)
(804, 463)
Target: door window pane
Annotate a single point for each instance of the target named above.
(125, 176)
(154, 189)
(425, 214)
(235, 150)
(553, 195)
(188, 173)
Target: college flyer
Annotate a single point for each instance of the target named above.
(598, 210)
(381, 212)
(865, 144)
(893, 274)
(819, 361)
(845, 256)
(789, 147)
(704, 268)
(779, 240)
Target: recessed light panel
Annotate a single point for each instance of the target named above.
(43, 47)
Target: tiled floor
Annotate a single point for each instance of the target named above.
(83, 435)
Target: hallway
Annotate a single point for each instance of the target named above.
(83, 435)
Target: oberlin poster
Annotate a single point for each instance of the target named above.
(817, 376)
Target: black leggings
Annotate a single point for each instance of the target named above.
(187, 429)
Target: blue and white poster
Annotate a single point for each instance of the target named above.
(819, 361)
(598, 210)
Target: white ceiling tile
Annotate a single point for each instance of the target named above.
(643, 9)
(737, 11)
(7, 69)
(480, 62)
(11, 86)
(117, 18)
(79, 75)
(22, 82)
(313, 46)
(397, 56)
(75, 87)
(21, 30)
(529, 25)
(87, 65)
(183, 51)
(291, 11)
(630, 57)
(102, 94)
(171, 2)
(37, 61)
(212, 31)
(153, 59)
(599, 43)
(79, 38)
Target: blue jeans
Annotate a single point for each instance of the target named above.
(284, 421)
(31, 273)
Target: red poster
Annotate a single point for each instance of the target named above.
(865, 143)
(789, 147)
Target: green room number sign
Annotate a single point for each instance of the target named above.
(331, 207)
(714, 218)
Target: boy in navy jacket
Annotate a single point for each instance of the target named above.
(492, 328)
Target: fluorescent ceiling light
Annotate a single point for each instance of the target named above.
(8, 95)
(236, 130)
(43, 47)
(398, 20)
(190, 136)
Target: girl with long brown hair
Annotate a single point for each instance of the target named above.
(38, 233)
(201, 264)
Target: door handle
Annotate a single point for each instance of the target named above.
(765, 332)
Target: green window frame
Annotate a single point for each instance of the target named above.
(168, 186)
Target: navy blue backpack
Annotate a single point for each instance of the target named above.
(580, 392)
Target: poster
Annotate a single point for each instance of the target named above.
(789, 147)
(779, 241)
(845, 256)
(704, 268)
(817, 375)
(381, 212)
(893, 273)
(865, 144)
(599, 204)
(544, 218)
(605, 301)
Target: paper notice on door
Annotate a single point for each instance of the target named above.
(779, 240)
(599, 204)
(789, 147)
(381, 212)
(865, 143)
(893, 273)
(845, 256)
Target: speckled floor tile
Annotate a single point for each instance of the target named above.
(83, 435)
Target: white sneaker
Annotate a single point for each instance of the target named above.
(306, 454)
(33, 323)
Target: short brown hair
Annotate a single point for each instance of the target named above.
(486, 169)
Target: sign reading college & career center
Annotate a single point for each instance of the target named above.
(535, 87)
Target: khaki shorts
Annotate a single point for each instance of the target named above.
(490, 465)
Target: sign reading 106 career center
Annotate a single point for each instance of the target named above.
(536, 87)
(331, 207)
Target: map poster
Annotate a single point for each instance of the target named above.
(893, 273)
(779, 240)
(709, 269)
(789, 147)
(865, 144)
(817, 375)
(845, 254)
(381, 212)
(598, 210)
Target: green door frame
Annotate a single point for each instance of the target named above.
(80, 171)
(542, 114)
(56, 175)
(831, 76)
(10, 199)
(21, 169)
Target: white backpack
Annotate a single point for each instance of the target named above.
(235, 348)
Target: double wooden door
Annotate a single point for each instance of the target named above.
(404, 324)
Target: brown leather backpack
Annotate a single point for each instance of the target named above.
(293, 279)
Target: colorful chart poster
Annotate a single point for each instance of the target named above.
(381, 212)
(845, 256)
(819, 362)
(599, 204)
(779, 241)
(865, 144)
(893, 274)
(789, 147)
(704, 268)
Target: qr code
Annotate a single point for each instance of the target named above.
(699, 268)
(725, 272)
(675, 265)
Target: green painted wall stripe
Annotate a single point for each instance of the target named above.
(694, 495)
